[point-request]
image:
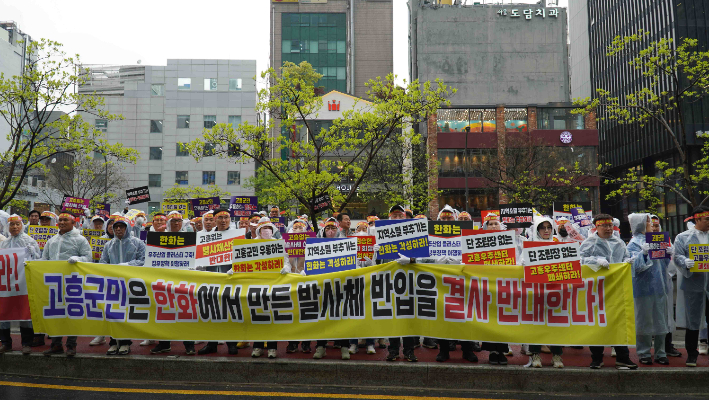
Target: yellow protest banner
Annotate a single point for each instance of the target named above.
(699, 253)
(180, 206)
(465, 302)
(42, 233)
(87, 233)
(97, 246)
(258, 255)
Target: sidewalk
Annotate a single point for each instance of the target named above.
(365, 370)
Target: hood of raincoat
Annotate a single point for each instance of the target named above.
(265, 222)
(22, 240)
(536, 222)
(128, 249)
(447, 208)
(290, 226)
(638, 223)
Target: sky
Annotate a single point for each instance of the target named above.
(152, 31)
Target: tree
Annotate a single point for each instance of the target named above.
(532, 172)
(178, 192)
(98, 180)
(674, 77)
(29, 103)
(317, 159)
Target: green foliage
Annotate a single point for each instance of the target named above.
(179, 192)
(674, 77)
(320, 159)
(28, 104)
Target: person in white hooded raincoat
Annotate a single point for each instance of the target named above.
(599, 250)
(68, 245)
(17, 239)
(650, 297)
(692, 286)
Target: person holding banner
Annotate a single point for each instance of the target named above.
(123, 249)
(33, 219)
(599, 250)
(650, 297)
(253, 224)
(138, 223)
(298, 226)
(197, 224)
(19, 240)
(49, 218)
(275, 212)
(108, 228)
(159, 224)
(692, 286)
(97, 222)
(175, 222)
(71, 246)
(208, 221)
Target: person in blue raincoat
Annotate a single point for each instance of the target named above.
(650, 293)
(123, 249)
(692, 286)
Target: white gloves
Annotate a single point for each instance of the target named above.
(522, 262)
(689, 263)
(73, 260)
(629, 260)
(453, 260)
(303, 272)
(230, 272)
(402, 260)
(645, 248)
(376, 247)
(594, 267)
(442, 260)
(87, 212)
(669, 250)
(123, 263)
(286, 270)
(603, 262)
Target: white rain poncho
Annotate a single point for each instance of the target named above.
(692, 286)
(650, 299)
(613, 250)
(22, 240)
(537, 221)
(670, 273)
(71, 244)
(127, 251)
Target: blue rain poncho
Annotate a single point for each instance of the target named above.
(650, 297)
(71, 244)
(692, 286)
(127, 251)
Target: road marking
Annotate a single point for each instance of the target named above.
(229, 392)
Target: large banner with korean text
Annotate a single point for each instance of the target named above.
(467, 302)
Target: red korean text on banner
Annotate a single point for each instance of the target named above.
(550, 262)
(488, 247)
(365, 247)
(296, 243)
(14, 304)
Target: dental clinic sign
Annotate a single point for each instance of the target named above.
(528, 13)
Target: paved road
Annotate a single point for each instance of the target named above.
(24, 387)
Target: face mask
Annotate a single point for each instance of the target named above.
(266, 234)
(371, 231)
(140, 220)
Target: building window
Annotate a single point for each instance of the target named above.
(559, 118)
(180, 151)
(233, 178)
(184, 83)
(181, 177)
(157, 90)
(153, 207)
(210, 83)
(516, 119)
(154, 180)
(183, 121)
(156, 153)
(101, 124)
(208, 149)
(208, 177)
(235, 84)
(156, 126)
(457, 163)
(210, 121)
(235, 120)
(466, 120)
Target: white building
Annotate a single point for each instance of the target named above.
(165, 105)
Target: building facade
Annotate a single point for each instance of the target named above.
(633, 146)
(163, 106)
(510, 66)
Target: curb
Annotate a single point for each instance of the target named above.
(364, 374)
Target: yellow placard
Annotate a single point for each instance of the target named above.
(180, 206)
(465, 302)
(699, 253)
(42, 234)
(97, 246)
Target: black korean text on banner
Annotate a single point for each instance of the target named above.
(138, 195)
(405, 237)
(488, 247)
(325, 255)
(170, 250)
(516, 215)
(215, 248)
(445, 237)
(258, 255)
(551, 262)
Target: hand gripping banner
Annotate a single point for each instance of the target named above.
(466, 302)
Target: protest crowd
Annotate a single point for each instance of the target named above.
(126, 239)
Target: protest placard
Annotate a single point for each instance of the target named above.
(279, 223)
(325, 255)
(550, 262)
(296, 243)
(14, 303)
(658, 243)
(170, 250)
(516, 215)
(42, 233)
(215, 248)
(87, 233)
(485, 247)
(365, 247)
(699, 253)
(103, 209)
(75, 205)
(321, 203)
(243, 206)
(445, 238)
(201, 206)
(580, 217)
(563, 209)
(138, 195)
(258, 255)
(180, 206)
(408, 237)
(97, 246)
